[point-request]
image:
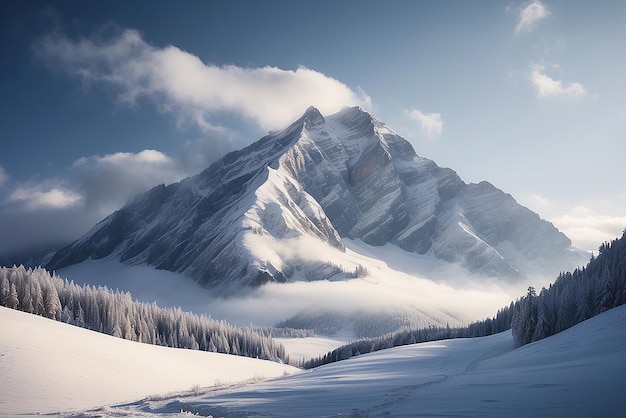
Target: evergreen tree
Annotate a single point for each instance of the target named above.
(116, 313)
(609, 291)
(5, 289)
(12, 301)
(52, 303)
(542, 328)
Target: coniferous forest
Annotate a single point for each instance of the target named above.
(573, 297)
(115, 313)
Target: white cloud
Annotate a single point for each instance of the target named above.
(107, 182)
(56, 210)
(588, 229)
(36, 197)
(530, 15)
(179, 83)
(430, 123)
(540, 201)
(546, 86)
(589, 223)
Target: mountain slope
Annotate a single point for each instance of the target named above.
(243, 221)
(49, 366)
(577, 373)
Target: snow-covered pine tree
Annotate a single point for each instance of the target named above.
(5, 289)
(52, 304)
(542, 328)
(582, 294)
(13, 301)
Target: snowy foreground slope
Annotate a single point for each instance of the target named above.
(48, 366)
(580, 372)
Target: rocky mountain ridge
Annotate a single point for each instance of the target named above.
(348, 175)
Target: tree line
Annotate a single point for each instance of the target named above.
(500, 322)
(115, 313)
(573, 297)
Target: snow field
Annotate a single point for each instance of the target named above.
(580, 372)
(48, 366)
(309, 347)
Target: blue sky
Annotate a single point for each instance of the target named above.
(102, 100)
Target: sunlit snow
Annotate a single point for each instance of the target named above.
(48, 366)
(580, 372)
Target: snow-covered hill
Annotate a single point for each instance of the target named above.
(272, 211)
(48, 367)
(580, 372)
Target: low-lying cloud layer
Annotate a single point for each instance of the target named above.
(273, 303)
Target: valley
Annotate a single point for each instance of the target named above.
(575, 373)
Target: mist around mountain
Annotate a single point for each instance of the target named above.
(31, 256)
(280, 209)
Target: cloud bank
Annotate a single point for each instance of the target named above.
(106, 183)
(180, 84)
(588, 229)
(43, 212)
(588, 224)
(530, 15)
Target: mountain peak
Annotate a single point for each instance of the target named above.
(320, 179)
(312, 110)
(312, 117)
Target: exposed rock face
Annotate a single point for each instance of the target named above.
(346, 175)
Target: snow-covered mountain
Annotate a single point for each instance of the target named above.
(278, 209)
